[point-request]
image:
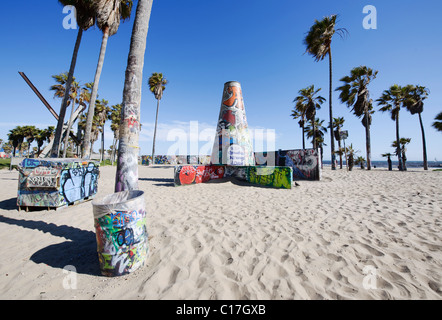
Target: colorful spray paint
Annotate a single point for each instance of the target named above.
(56, 183)
(122, 239)
(232, 154)
(275, 177)
(232, 145)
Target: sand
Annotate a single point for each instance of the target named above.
(353, 235)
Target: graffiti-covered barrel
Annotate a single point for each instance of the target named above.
(120, 226)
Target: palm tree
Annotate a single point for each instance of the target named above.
(59, 92)
(7, 147)
(414, 103)
(115, 116)
(83, 99)
(401, 148)
(16, 137)
(300, 114)
(307, 103)
(30, 133)
(438, 123)
(355, 94)
(102, 114)
(391, 100)
(315, 131)
(388, 156)
(108, 13)
(361, 161)
(85, 20)
(157, 85)
(75, 96)
(318, 42)
(42, 136)
(350, 152)
(126, 177)
(338, 123)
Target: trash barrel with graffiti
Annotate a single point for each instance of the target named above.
(120, 225)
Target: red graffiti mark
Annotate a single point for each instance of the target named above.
(202, 174)
(217, 173)
(187, 174)
(235, 95)
(132, 121)
(229, 117)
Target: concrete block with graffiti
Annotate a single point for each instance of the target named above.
(306, 164)
(275, 177)
(54, 183)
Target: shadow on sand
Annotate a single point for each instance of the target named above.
(79, 251)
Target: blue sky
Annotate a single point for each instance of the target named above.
(199, 45)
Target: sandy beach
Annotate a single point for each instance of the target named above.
(353, 235)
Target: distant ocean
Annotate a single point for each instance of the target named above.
(410, 164)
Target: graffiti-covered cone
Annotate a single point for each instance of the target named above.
(232, 145)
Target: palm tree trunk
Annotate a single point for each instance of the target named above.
(102, 144)
(424, 144)
(340, 155)
(66, 138)
(91, 111)
(367, 140)
(126, 177)
(114, 145)
(303, 137)
(332, 139)
(155, 133)
(398, 146)
(58, 131)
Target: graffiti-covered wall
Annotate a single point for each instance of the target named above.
(56, 182)
(176, 160)
(189, 174)
(306, 164)
(275, 177)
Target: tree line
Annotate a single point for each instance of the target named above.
(355, 95)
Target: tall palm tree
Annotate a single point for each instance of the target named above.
(401, 148)
(391, 100)
(85, 20)
(108, 13)
(75, 94)
(318, 42)
(354, 93)
(300, 114)
(157, 84)
(126, 177)
(102, 114)
(414, 103)
(315, 131)
(307, 103)
(437, 124)
(115, 116)
(338, 123)
(59, 92)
